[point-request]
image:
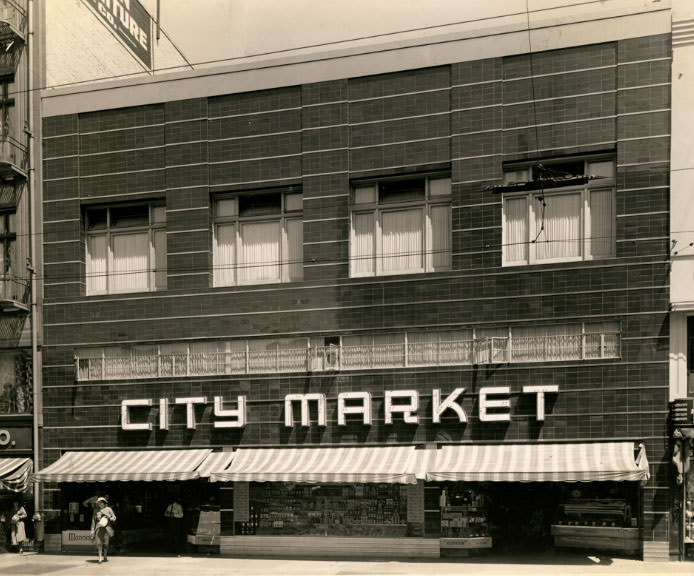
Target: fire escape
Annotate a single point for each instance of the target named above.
(14, 286)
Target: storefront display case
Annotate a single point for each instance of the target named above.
(606, 521)
(464, 523)
(367, 510)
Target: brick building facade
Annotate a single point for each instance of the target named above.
(398, 215)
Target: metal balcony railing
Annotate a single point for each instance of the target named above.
(13, 21)
(494, 350)
(13, 159)
(14, 294)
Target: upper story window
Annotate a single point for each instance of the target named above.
(559, 212)
(401, 226)
(16, 392)
(6, 107)
(258, 238)
(126, 249)
(8, 241)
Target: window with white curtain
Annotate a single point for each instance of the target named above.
(258, 238)
(565, 212)
(401, 226)
(126, 249)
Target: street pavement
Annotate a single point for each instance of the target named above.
(199, 565)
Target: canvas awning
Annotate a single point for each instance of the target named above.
(215, 462)
(15, 473)
(390, 464)
(125, 466)
(584, 462)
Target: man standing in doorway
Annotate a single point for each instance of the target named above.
(174, 522)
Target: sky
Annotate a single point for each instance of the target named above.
(235, 28)
(79, 48)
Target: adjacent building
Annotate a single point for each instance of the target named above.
(16, 358)
(682, 274)
(412, 298)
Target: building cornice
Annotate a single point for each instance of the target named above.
(544, 29)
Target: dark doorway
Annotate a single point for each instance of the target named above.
(520, 515)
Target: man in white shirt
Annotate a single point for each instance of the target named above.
(174, 525)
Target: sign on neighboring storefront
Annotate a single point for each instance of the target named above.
(682, 412)
(77, 539)
(130, 23)
(15, 438)
(493, 406)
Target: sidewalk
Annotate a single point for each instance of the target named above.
(564, 565)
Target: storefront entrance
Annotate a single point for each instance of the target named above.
(141, 525)
(520, 515)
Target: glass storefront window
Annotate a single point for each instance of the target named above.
(371, 510)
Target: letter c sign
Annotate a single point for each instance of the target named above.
(4, 437)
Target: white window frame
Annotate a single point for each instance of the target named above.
(111, 233)
(534, 215)
(377, 209)
(236, 221)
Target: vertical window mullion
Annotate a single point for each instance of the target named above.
(150, 259)
(109, 259)
(427, 254)
(531, 228)
(585, 223)
(602, 344)
(378, 243)
(406, 352)
(283, 250)
(238, 249)
(583, 341)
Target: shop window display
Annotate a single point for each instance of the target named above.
(373, 510)
(604, 517)
(464, 522)
(689, 518)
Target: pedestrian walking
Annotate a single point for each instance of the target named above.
(102, 527)
(174, 525)
(18, 534)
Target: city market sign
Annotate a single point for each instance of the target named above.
(493, 406)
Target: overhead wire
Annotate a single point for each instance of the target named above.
(495, 247)
(212, 268)
(230, 59)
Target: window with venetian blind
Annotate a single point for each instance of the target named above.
(561, 223)
(401, 226)
(126, 249)
(258, 238)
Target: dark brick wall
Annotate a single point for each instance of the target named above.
(469, 117)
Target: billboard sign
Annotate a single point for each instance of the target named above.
(130, 23)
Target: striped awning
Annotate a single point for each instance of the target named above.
(15, 473)
(125, 466)
(392, 464)
(592, 461)
(216, 462)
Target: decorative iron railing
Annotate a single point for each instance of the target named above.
(13, 157)
(492, 350)
(14, 16)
